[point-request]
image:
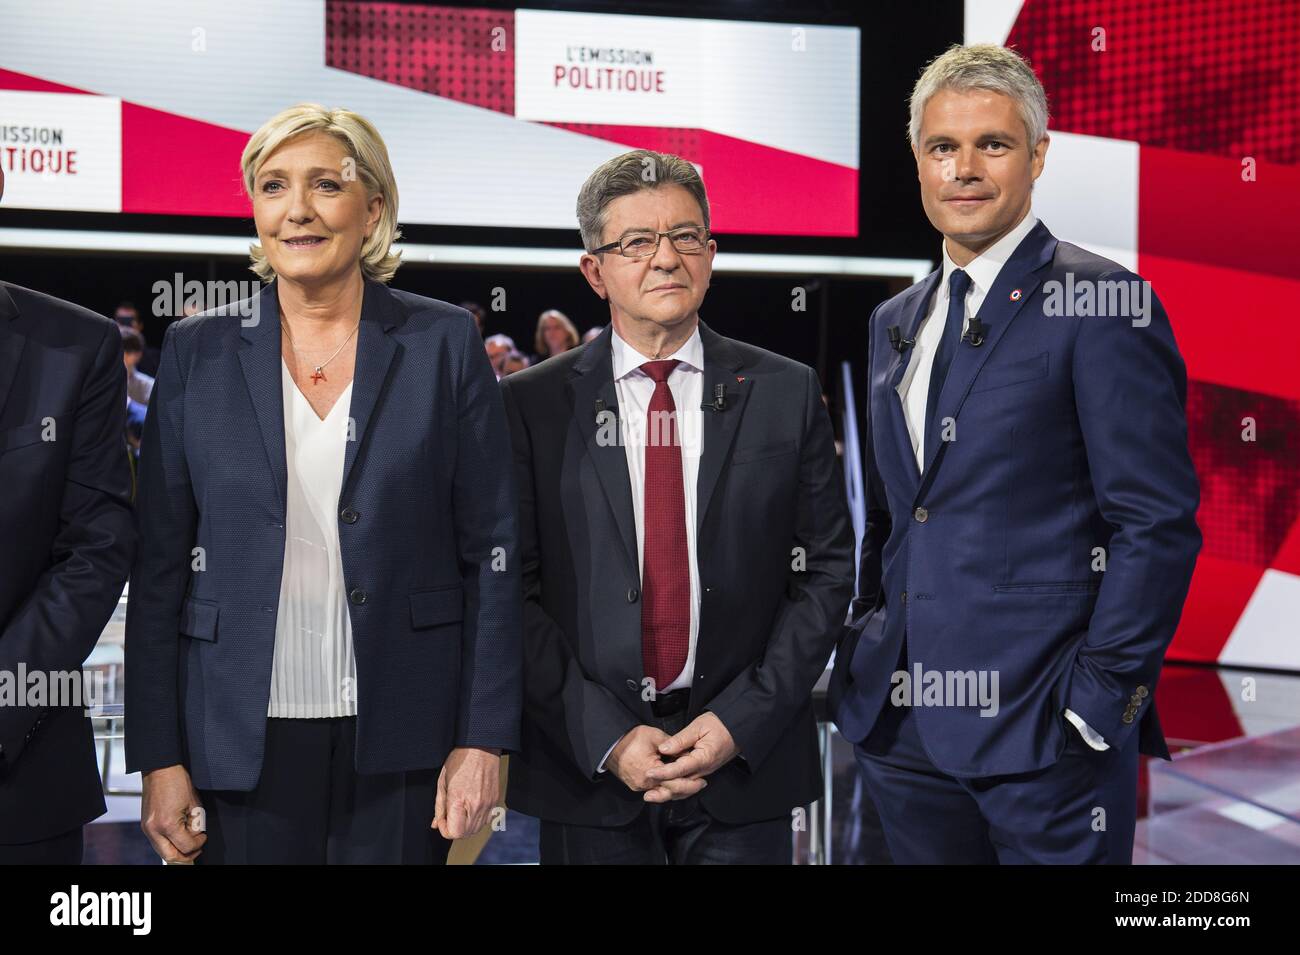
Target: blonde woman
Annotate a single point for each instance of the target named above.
(554, 336)
(323, 629)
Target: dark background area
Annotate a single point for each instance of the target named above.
(897, 40)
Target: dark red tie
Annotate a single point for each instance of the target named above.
(665, 574)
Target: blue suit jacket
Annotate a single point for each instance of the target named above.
(426, 527)
(1070, 435)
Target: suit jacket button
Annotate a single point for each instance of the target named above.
(632, 595)
(1128, 717)
(349, 516)
(633, 685)
(1143, 691)
(358, 597)
(921, 515)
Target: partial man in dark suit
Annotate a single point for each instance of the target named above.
(687, 556)
(1031, 526)
(65, 519)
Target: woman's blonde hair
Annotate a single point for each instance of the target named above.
(367, 150)
(539, 338)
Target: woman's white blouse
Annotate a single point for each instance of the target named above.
(314, 673)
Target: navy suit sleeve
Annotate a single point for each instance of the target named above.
(483, 501)
(878, 523)
(758, 705)
(166, 518)
(582, 717)
(60, 622)
(1130, 387)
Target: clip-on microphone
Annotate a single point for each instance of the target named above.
(975, 333)
(897, 341)
(719, 402)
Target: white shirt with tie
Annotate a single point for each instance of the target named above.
(634, 389)
(914, 387)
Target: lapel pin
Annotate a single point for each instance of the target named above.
(740, 379)
(1015, 294)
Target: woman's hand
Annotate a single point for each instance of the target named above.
(469, 787)
(167, 817)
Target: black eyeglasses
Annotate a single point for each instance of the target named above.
(638, 245)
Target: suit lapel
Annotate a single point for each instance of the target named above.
(914, 314)
(721, 362)
(592, 380)
(1020, 276)
(259, 355)
(11, 346)
(375, 351)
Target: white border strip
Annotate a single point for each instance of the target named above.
(415, 254)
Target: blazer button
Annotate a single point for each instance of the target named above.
(1142, 691)
(921, 515)
(1128, 716)
(633, 685)
(632, 595)
(357, 596)
(349, 516)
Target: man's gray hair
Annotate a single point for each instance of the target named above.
(629, 173)
(982, 67)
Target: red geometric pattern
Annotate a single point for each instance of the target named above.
(1201, 86)
(448, 52)
(1210, 76)
(440, 50)
(1250, 490)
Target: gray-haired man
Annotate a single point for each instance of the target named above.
(1031, 512)
(687, 556)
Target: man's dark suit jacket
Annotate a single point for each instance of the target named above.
(426, 528)
(1070, 435)
(768, 484)
(67, 543)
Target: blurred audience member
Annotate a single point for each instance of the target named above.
(499, 348)
(515, 361)
(479, 313)
(139, 386)
(555, 335)
(135, 413)
(128, 316)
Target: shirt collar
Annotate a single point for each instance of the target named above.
(984, 268)
(628, 360)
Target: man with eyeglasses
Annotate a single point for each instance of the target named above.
(687, 556)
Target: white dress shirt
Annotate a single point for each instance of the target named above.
(983, 271)
(314, 671)
(914, 388)
(635, 389)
